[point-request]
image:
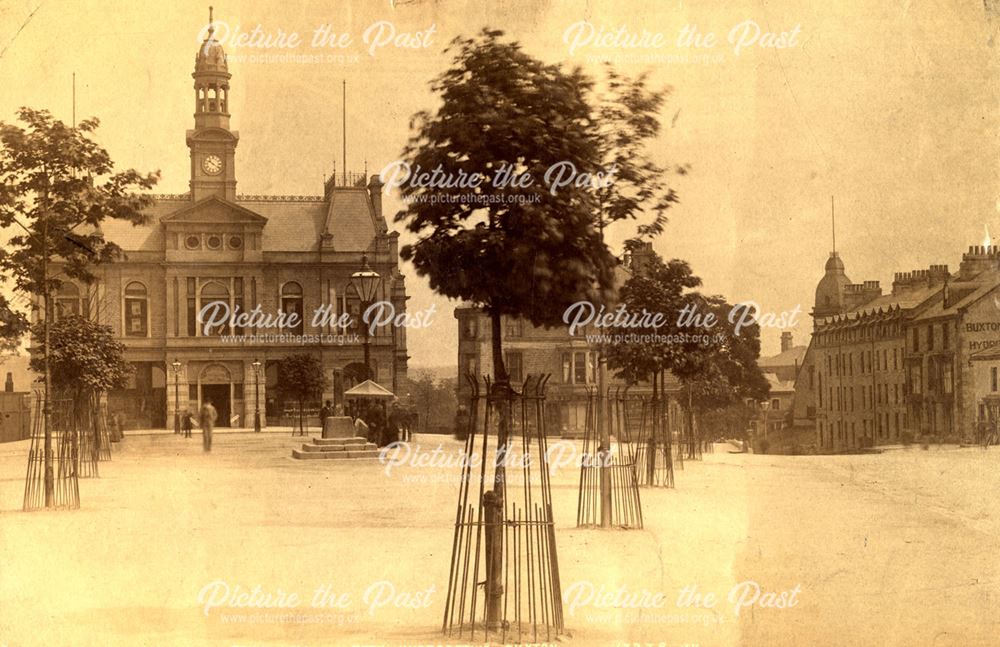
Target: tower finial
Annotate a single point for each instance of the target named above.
(833, 224)
(211, 22)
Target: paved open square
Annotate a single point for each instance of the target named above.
(244, 545)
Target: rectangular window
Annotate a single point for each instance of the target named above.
(514, 361)
(945, 341)
(775, 404)
(567, 368)
(993, 379)
(580, 368)
(930, 337)
(916, 340)
(469, 327)
(469, 366)
(135, 317)
(514, 327)
(895, 360)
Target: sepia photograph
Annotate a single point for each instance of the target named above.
(413, 323)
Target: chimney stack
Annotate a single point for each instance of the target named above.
(375, 192)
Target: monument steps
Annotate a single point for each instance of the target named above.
(337, 443)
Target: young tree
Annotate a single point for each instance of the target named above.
(663, 287)
(85, 358)
(527, 179)
(85, 361)
(301, 378)
(725, 371)
(56, 187)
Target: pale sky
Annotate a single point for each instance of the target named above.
(889, 106)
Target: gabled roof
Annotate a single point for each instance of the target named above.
(190, 212)
(779, 386)
(791, 357)
(369, 389)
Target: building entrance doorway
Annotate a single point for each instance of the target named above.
(218, 394)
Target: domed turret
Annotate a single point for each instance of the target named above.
(211, 82)
(830, 291)
(212, 143)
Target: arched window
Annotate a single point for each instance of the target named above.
(67, 301)
(214, 292)
(291, 303)
(136, 310)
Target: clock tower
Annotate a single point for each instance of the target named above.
(212, 143)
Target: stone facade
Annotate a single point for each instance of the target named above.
(919, 361)
(213, 246)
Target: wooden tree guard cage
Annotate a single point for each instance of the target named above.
(504, 578)
(65, 458)
(616, 466)
(654, 452)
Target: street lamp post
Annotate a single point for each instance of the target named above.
(366, 282)
(256, 395)
(176, 365)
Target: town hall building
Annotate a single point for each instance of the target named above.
(215, 246)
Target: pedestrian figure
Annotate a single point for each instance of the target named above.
(208, 416)
(325, 412)
(188, 423)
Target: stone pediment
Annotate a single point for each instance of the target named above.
(214, 210)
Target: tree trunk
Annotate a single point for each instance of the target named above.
(651, 443)
(493, 501)
(47, 402)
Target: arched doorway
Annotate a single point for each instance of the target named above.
(215, 386)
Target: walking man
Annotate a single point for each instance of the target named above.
(208, 416)
(188, 423)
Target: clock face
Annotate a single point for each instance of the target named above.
(212, 164)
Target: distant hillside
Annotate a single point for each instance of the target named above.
(438, 373)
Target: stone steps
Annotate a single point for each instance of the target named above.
(336, 449)
(369, 454)
(333, 442)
